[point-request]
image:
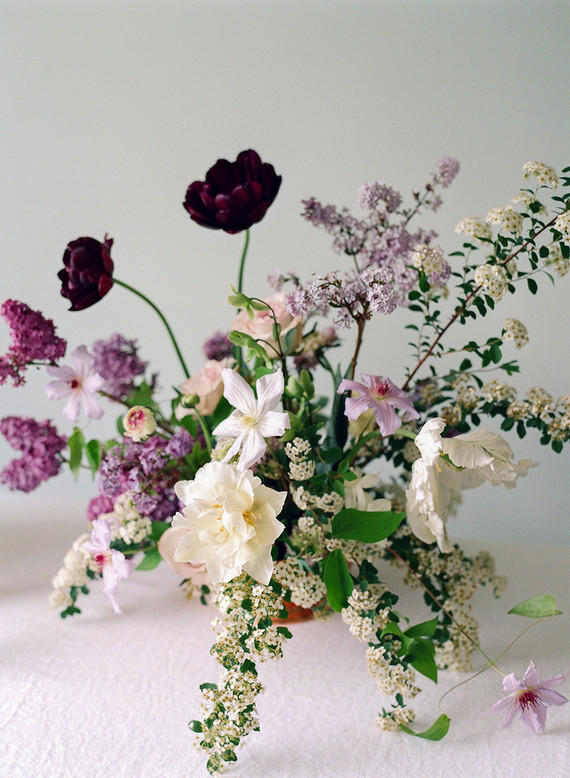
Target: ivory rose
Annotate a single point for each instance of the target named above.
(207, 384)
(261, 328)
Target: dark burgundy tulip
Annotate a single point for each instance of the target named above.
(234, 195)
(87, 275)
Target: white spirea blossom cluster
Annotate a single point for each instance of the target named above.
(428, 258)
(562, 224)
(506, 217)
(474, 228)
(514, 331)
(390, 678)
(306, 589)
(360, 614)
(76, 563)
(330, 502)
(493, 279)
(461, 576)
(229, 709)
(309, 538)
(556, 262)
(126, 522)
(544, 174)
(390, 721)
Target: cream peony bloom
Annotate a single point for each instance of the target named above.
(468, 460)
(229, 521)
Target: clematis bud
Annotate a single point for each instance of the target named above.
(87, 275)
(234, 195)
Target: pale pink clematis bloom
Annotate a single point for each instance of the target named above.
(382, 397)
(254, 419)
(529, 697)
(113, 565)
(80, 384)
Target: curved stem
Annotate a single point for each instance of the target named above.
(163, 319)
(242, 261)
(205, 431)
(354, 359)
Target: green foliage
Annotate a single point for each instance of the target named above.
(76, 444)
(539, 607)
(335, 574)
(365, 526)
(151, 559)
(437, 731)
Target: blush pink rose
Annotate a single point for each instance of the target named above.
(261, 328)
(167, 544)
(208, 385)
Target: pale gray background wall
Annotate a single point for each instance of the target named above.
(110, 109)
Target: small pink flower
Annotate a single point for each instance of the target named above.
(380, 395)
(113, 565)
(80, 384)
(529, 697)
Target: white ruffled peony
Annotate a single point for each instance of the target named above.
(229, 521)
(449, 465)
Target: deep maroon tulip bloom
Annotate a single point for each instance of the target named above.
(88, 272)
(234, 195)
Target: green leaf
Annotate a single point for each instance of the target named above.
(94, 454)
(158, 528)
(532, 285)
(424, 629)
(536, 607)
(151, 559)
(337, 579)
(196, 726)
(437, 731)
(365, 526)
(76, 443)
(423, 660)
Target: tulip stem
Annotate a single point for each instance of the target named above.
(163, 318)
(242, 261)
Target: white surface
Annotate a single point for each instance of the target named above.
(101, 695)
(110, 109)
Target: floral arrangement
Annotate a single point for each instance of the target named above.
(269, 500)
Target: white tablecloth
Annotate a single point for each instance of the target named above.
(103, 696)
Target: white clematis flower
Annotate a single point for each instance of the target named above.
(468, 460)
(253, 419)
(229, 521)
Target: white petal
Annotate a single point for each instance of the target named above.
(269, 391)
(238, 392)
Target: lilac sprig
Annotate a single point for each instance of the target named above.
(40, 445)
(117, 361)
(33, 341)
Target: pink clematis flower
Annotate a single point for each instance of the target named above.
(113, 565)
(380, 395)
(80, 384)
(529, 697)
(254, 419)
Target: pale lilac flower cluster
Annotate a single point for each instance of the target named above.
(148, 471)
(349, 233)
(118, 362)
(354, 296)
(40, 445)
(448, 168)
(218, 347)
(33, 340)
(370, 196)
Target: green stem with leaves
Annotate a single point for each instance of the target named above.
(162, 318)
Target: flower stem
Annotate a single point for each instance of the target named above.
(242, 261)
(163, 318)
(205, 431)
(360, 325)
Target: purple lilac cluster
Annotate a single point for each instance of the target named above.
(382, 242)
(218, 347)
(40, 445)
(148, 470)
(117, 361)
(33, 340)
(354, 296)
